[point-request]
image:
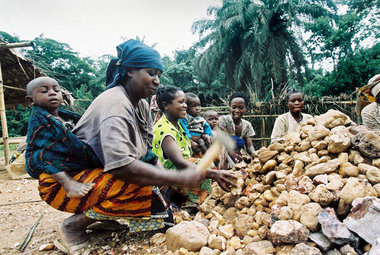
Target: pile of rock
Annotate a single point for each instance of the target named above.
(315, 191)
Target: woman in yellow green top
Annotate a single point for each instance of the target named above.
(173, 147)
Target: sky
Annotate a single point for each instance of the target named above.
(96, 27)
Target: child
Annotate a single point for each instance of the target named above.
(290, 121)
(196, 127)
(211, 118)
(52, 148)
(241, 130)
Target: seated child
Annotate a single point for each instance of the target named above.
(51, 147)
(194, 126)
(211, 118)
(240, 129)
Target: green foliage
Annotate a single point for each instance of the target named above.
(17, 121)
(351, 73)
(252, 42)
(5, 37)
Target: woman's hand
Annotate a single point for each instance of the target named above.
(194, 145)
(223, 178)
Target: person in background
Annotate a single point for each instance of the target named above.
(173, 148)
(371, 113)
(212, 118)
(50, 142)
(290, 121)
(196, 127)
(240, 129)
(155, 109)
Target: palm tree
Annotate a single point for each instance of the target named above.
(253, 41)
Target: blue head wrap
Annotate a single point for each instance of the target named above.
(131, 53)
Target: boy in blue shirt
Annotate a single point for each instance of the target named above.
(196, 127)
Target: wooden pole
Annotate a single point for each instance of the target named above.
(7, 153)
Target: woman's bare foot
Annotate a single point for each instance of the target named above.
(77, 189)
(72, 231)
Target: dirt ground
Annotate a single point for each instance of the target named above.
(20, 208)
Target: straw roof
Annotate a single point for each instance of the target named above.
(16, 73)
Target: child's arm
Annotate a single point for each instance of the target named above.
(207, 133)
(249, 145)
(184, 125)
(71, 186)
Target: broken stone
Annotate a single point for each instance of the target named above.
(208, 251)
(289, 231)
(321, 195)
(364, 218)
(323, 168)
(321, 240)
(368, 143)
(309, 214)
(157, 239)
(227, 231)
(190, 235)
(304, 249)
(348, 250)
(261, 247)
(334, 230)
(216, 242)
(243, 224)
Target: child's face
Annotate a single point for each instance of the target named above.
(238, 108)
(177, 108)
(48, 95)
(295, 103)
(212, 119)
(194, 107)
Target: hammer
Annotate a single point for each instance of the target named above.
(221, 139)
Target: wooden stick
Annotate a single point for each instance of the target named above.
(209, 157)
(4, 126)
(29, 235)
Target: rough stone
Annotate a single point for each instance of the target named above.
(321, 195)
(332, 118)
(337, 143)
(303, 156)
(157, 239)
(321, 240)
(348, 169)
(266, 155)
(335, 182)
(230, 215)
(373, 175)
(375, 249)
(295, 201)
(242, 202)
(318, 132)
(321, 179)
(216, 191)
(368, 143)
(190, 235)
(334, 230)
(334, 252)
(243, 224)
(227, 230)
(364, 218)
(354, 188)
(304, 249)
(259, 248)
(208, 251)
(323, 168)
(305, 185)
(309, 214)
(348, 250)
(288, 231)
(208, 205)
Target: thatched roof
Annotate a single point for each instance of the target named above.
(16, 73)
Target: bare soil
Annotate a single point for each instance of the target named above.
(20, 208)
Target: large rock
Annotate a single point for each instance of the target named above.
(334, 230)
(368, 143)
(373, 175)
(190, 235)
(321, 195)
(332, 118)
(261, 247)
(339, 141)
(243, 224)
(309, 214)
(364, 218)
(304, 249)
(323, 168)
(318, 132)
(288, 231)
(354, 188)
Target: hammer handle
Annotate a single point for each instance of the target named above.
(209, 157)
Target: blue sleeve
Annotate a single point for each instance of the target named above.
(184, 125)
(207, 129)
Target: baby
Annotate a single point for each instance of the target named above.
(212, 118)
(196, 127)
(52, 148)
